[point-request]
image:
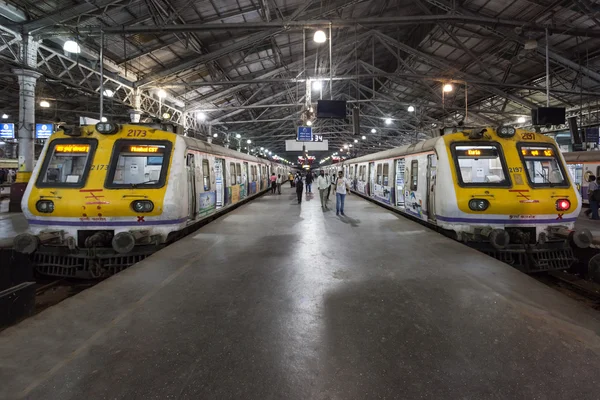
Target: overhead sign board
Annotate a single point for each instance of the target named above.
(7, 131)
(304, 134)
(293, 145)
(43, 131)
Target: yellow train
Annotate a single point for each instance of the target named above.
(505, 191)
(103, 197)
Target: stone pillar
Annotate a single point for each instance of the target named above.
(26, 132)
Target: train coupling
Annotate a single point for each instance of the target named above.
(124, 242)
(27, 243)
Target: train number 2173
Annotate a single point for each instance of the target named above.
(136, 133)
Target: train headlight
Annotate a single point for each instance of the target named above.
(107, 128)
(506, 131)
(562, 205)
(478, 204)
(142, 206)
(45, 206)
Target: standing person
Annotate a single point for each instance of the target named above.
(299, 187)
(11, 176)
(273, 182)
(593, 196)
(341, 188)
(322, 185)
(331, 182)
(291, 178)
(279, 184)
(309, 181)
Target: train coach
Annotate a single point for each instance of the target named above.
(506, 192)
(581, 165)
(104, 197)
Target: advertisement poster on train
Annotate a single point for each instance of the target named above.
(207, 203)
(219, 182)
(235, 194)
(360, 186)
(383, 193)
(400, 183)
(252, 187)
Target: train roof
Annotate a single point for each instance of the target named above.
(419, 147)
(217, 150)
(582, 156)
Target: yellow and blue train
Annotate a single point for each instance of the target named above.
(103, 197)
(505, 191)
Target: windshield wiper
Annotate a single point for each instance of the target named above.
(134, 185)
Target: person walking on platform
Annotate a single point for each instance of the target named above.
(331, 182)
(279, 184)
(341, 188)
(322, 185)
(593, 197)
(299, 187)
(273, 182)
(291, 178)
(309, 181)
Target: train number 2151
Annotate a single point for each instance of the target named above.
(136, 133)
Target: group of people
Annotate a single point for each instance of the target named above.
(325, 183)
(7, 175)
(275, 183)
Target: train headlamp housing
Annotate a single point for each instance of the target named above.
(506, 131)
(142, 206)
(563, 204)
(107, 128)
(479, 204)
(45, 206)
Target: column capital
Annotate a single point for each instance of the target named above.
(26, 72)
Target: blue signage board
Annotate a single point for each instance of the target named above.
(592, 135)
(7, 131)
(43, 131)
(304, 134)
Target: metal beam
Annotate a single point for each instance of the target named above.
(338, 23)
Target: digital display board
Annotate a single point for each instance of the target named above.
(43, 131)
(530, 152)
(7, 131)
(477, 153)
(72, 148)
(145, 149)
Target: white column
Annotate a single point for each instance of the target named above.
(26, 125)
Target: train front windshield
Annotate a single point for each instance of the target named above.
(480, 165)
(139, 163)
(67, 163)
(543, 167)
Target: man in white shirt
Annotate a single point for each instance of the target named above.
(322, 185)
(341, 188)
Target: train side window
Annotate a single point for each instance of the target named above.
(206, 175)
(386, 173)
(379, 180)
(232, 173)
(238, 169)
(414, 174)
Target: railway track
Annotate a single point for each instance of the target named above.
(573, 286)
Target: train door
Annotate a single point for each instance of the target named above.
(400, 165)
(371, 179)
(220, 181)
(431, 175)
(245, 179)
(190, 165)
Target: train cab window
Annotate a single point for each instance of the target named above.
(206, 175)
(386, 173)
(480, 165)
(414, 174)
(232, 173)
(67, 163)
(379, 175)
(238, 170)
(543, 167)
(138, 163)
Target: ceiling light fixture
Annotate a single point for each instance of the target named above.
(320, 37)
(166, 115)
(162, 93)
(448, 88)
(237, 136)
(248, 141)
(355, 140)
(521, 120)
(4, 116)
(215, 135)
(411, 109)
(71, 46)
(309, 123)
(373, 130)
(317, 85)
(388, 121)
(108, 93)
(364, 138)
(103, 119)
(201, 116)
(44, 104)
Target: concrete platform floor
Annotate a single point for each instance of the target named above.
(281, 301)
(11, 224)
